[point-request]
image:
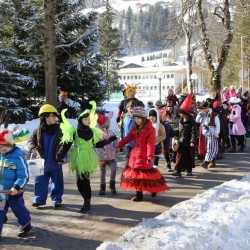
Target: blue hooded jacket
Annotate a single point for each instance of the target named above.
(14, 171)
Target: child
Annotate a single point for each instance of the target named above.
(127, 124)
(139, 173)
(83, 158)
(166, 143)
(187, 138)
(13, 177)
(107, 154)
(46, 142)
(154, 117)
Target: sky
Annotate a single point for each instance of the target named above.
(219, 218)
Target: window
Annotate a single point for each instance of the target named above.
(155, 87)
(124, 77)
(139, 77)
(172, 76)
(151, 87)
(135, 77)
(128, 77)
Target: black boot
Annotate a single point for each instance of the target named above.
(85, 207)
(24, 231)
(138, 196)
(112, 187)
(102, 189)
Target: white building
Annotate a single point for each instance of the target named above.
(149, 79)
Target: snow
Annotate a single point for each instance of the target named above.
(216, 219)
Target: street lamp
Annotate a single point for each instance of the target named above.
(193, 78)
(159, 75)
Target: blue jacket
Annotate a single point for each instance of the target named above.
(14, 171)
(127, 126)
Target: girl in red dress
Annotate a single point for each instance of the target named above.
(139, 173)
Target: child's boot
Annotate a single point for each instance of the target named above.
(86, 206)
(112, 187)
(102, 189)
(24, 231)
(138, 196)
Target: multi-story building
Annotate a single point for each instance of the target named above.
(156, 81)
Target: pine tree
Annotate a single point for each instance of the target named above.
(13, 101)
(78, 65)
(19, 59)
(110, 49)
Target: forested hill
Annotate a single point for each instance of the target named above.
(145, 26)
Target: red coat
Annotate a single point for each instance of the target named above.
(143, 147)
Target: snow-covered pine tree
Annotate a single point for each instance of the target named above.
(110, 49)
(13, 101)
(78, 65)
(20, 59)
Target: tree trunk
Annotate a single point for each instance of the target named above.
(49, 52)
(216, 68)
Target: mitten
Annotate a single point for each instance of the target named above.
(59, 159)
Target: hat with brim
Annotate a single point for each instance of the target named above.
(234, 100)
(103, 120)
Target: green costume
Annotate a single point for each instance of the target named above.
(83, 158)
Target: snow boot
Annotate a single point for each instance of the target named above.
(85, 207)
(24, 231)
(112, 187)
(138, 196)
(102, 189)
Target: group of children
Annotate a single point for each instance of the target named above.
(145, 137)
(93, 146)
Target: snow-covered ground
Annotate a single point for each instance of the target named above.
(216, 219)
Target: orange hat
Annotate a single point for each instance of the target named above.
(104, 119)
(6, 138)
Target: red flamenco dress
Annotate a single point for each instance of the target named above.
(138, 174)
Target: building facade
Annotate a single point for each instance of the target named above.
(156, 81)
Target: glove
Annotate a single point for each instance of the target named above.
(118, 119)
(59, 159)
(113, 138)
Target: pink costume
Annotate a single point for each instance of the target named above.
(225, 95)
(236, 126)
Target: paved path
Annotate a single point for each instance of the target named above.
(112, 215)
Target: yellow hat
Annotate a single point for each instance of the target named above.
(47, 108)
(130, 88)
